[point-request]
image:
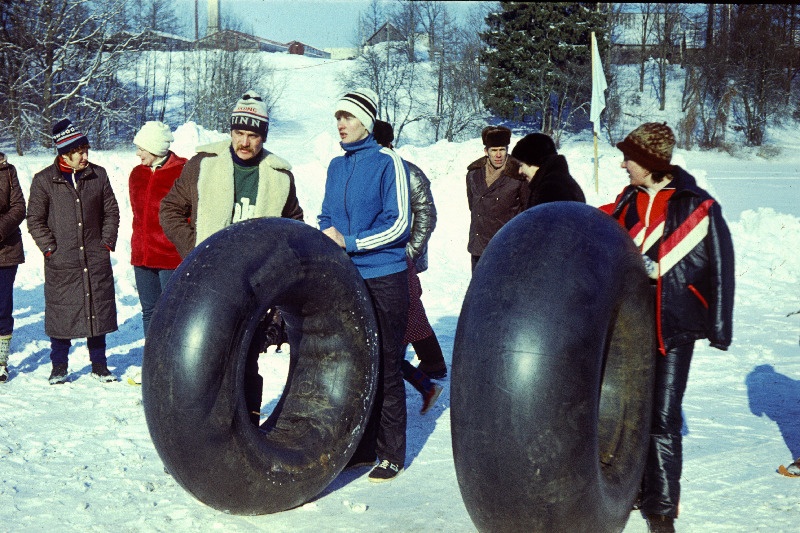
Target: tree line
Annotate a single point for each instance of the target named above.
(91, 60)
(527, 64)
(735, 66)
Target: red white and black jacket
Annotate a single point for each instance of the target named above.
(689, 241)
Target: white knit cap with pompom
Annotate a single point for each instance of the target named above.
(155, 137)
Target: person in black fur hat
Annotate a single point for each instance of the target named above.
(496, 192)
(546, 171)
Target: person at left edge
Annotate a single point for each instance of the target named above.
(12, 213)
(73, 217)
(228, 182)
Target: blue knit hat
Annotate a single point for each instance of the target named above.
(67, 137)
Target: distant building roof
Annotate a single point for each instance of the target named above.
(386, 33)
(223, 39)
(150, 40)
(236, 40)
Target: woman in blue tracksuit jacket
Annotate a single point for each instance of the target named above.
(366, 210)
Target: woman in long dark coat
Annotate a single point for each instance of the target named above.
(73, 217)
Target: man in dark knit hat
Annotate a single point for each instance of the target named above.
(73, 217)
(688, 253)
(495, 191)
(546, 171)
(227, 182)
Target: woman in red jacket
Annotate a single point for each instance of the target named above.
(153, 256)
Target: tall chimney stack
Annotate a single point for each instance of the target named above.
(213, 17)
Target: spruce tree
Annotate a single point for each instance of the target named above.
(538, 61)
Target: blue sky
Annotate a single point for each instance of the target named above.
(319, 23)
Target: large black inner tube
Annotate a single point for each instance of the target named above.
(193, 369)
(553, 374)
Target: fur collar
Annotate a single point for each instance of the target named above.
(215, 188)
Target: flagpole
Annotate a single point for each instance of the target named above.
(599, 86)
(596, 183)
(594, 127)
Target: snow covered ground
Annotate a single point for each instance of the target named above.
(78, 457)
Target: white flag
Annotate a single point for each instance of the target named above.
(599, 87)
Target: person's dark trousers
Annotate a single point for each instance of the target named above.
(59, 349)
(429, 352)
(253, 382)
(150, 283)
(7, 276)
(475, 259)
(661, 487)
(385, 434)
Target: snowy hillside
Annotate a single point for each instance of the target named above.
(78, 457)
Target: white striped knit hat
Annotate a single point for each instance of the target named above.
(67, 137)
(362, 104)
(250, 114)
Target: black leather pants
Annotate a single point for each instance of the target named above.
(661, 487)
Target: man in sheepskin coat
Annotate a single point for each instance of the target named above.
(227, 182)
(230, 181)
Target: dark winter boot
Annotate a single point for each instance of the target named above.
(419, 380)
(101, 373)
(431, 360)
(5, 342)
(58, 375)
(658, 523)
(429, 398)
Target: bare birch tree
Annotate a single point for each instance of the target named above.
(59, 59)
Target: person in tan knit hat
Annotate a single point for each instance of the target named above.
(688, 254)
(650, 145)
